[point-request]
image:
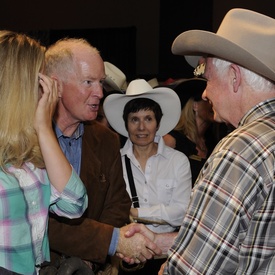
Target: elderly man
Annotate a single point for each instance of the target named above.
(93, 150)
(229, 227)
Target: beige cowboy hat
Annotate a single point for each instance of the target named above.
(244, 37)
(168, 100)
(115, 78)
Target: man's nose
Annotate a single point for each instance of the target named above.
(98, 90)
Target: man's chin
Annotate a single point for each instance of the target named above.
(91, 117)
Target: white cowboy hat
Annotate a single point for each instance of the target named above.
(115, 78)
(153, 82)
(167, 99)
(244, 37)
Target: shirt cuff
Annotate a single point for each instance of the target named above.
(114, 242)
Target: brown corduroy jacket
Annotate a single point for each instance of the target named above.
(89, 237)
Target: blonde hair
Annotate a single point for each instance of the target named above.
(187, 122)
(22, 58)
(60, 56)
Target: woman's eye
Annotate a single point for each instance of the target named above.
(134, 119)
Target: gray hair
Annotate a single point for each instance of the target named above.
(254, 80)
(59, 57)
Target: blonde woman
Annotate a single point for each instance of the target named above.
(34, 174)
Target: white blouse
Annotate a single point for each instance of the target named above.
(165, 187)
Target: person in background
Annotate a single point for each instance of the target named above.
(196, 134)
(93, 150)
(115, 79)
(114, 83)
(101, 117)
(161, 178)
(35, 176)
(229, 226)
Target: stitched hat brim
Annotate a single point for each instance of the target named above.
(195, 43)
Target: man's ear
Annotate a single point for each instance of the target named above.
(235, 76)
(59, 85)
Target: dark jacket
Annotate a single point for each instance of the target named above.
(89, 237)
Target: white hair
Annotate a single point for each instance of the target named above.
(254, 80)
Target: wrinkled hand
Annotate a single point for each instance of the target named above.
(163, 241)
(139, 228)
(47, 103)
(136, 244)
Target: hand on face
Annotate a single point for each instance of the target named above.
(47, 103)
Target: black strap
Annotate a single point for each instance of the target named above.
(131, 183)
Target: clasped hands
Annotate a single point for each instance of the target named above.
(137, 244)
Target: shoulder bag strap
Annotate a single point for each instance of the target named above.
(131, 183)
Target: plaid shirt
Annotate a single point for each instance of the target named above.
(229, 227)
(25, 199)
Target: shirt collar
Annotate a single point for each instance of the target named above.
(128, 147)
(77, 133)
(263, 108)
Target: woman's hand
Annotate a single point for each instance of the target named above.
(134, 212)
(46, 104)
(58, 168)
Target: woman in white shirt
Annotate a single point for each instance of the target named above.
(161, 175)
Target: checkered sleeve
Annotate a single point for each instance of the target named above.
(216, 217)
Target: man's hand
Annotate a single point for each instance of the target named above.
(139, 228)
(162, 240)
(136, 244)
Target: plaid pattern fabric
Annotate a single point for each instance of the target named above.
(25, 199)
(229, 227)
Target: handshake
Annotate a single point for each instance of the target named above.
(137, 243)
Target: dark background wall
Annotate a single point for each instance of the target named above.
(134, 35)
(220, 8)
